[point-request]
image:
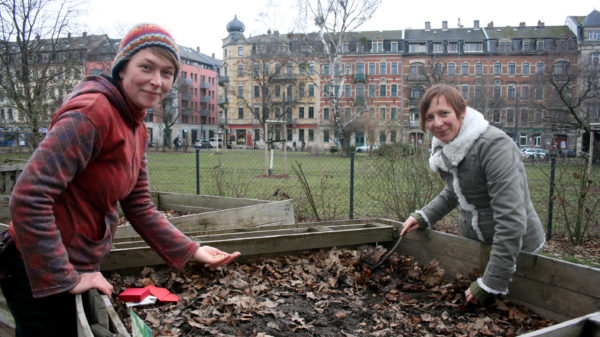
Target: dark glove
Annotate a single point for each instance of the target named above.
(478, 293)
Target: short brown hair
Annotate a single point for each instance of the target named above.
(453, 97)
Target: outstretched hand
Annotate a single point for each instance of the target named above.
(410, 225)
(214, 257)
(88, 281)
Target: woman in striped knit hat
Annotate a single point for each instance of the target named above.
(64, 205)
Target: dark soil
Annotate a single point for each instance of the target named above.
(322, 293)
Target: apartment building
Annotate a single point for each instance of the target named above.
(498, 70)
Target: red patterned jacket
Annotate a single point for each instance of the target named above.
(64, 204)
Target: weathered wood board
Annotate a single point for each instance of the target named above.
(219, 212)
(588, 326)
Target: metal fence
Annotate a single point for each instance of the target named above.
(328, 186)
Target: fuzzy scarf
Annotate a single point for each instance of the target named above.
(446, 157)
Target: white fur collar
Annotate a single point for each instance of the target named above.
(473, 125)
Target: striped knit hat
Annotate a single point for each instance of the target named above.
(142, 36)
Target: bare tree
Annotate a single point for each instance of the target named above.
(169, 109)
(38, 61)
(571, 90)
(335, 20)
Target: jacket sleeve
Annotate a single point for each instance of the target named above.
(66, 150)
(166, 240)
(441, 205)
(506, 181)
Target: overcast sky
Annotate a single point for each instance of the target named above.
(201, 23)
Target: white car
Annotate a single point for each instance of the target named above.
(366, 148)
(534, 154)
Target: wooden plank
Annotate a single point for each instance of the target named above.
(573, 327)
(561, 289)
(175, 200)
(142, 256)
(265, 214)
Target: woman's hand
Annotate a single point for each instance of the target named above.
(410, 225)
(469, 296)
(88, 281)
(213, 256)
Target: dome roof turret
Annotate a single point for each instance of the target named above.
(235, 25)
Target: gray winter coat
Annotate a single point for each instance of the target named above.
(486, 179)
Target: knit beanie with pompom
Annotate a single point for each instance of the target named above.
(142, 36)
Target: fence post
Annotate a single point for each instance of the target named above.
(351, 185)
(197, 170)
(550, 201)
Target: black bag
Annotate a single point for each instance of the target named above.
(7, 252)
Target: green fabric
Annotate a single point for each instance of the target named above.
(478, 293)
(420, 220)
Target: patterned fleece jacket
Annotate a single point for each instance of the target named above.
(64, 204)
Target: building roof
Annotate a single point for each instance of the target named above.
(529, 32)
(450, 34)
(193, 55)
(592, 20)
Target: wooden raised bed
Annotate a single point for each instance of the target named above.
(554, 289)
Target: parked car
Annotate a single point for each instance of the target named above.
(530, 154)
(366, 148)
(213, 142)
(203, 144)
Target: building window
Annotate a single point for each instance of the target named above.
(301, 90)
(347, 90)
(525, 92)
(510, 91)
(539, 67)
(360, 68)
(311, 90)
(561, 67)
(453, 47)
(382, 88)
(360, 90)
(382, 137)
(383, 68)
(326, 113)
(371, 68)
(394, 90)
(240, 113)
(510, 116)
(394, 68)
(240, 91)
(240, 51)
(394, 47)
(525, 68)
(464, 89)
(382, 114)
(479, 68)
(301, 112)
(540, 46)
(438, 48)
(326, 69)
(394, 113)
(348, 69)
(371, 90)
(301, 135)
(512, 68)
(277, 91)
(393, 136)
(377, 47)
(525, 45)
(496, 116)
(524, 117)
(523, 139)
(537, 116)
(311, 112)
(451, 69)
(311, 135)
(417, 48)
(497, 90)
(465, 69)
(256, 91)
(473, 47)
(497, 68)
(594, 59)
(326, 136)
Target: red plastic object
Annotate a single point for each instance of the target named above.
(134, 294)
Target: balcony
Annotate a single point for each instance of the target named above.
(223, 80)
(204, 85)
(358, 78)
(205, 112)
(222, 101)
(186, 111)
(205, 99)
(414, 124)
(221, 121)
(285, 77)
(414, 101)
(186, 81)
(416, 77)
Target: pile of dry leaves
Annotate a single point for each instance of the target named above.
(322, 293)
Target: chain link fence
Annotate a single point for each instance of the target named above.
(391, 182)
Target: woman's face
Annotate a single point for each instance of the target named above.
(442, 120)
(147, 78)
